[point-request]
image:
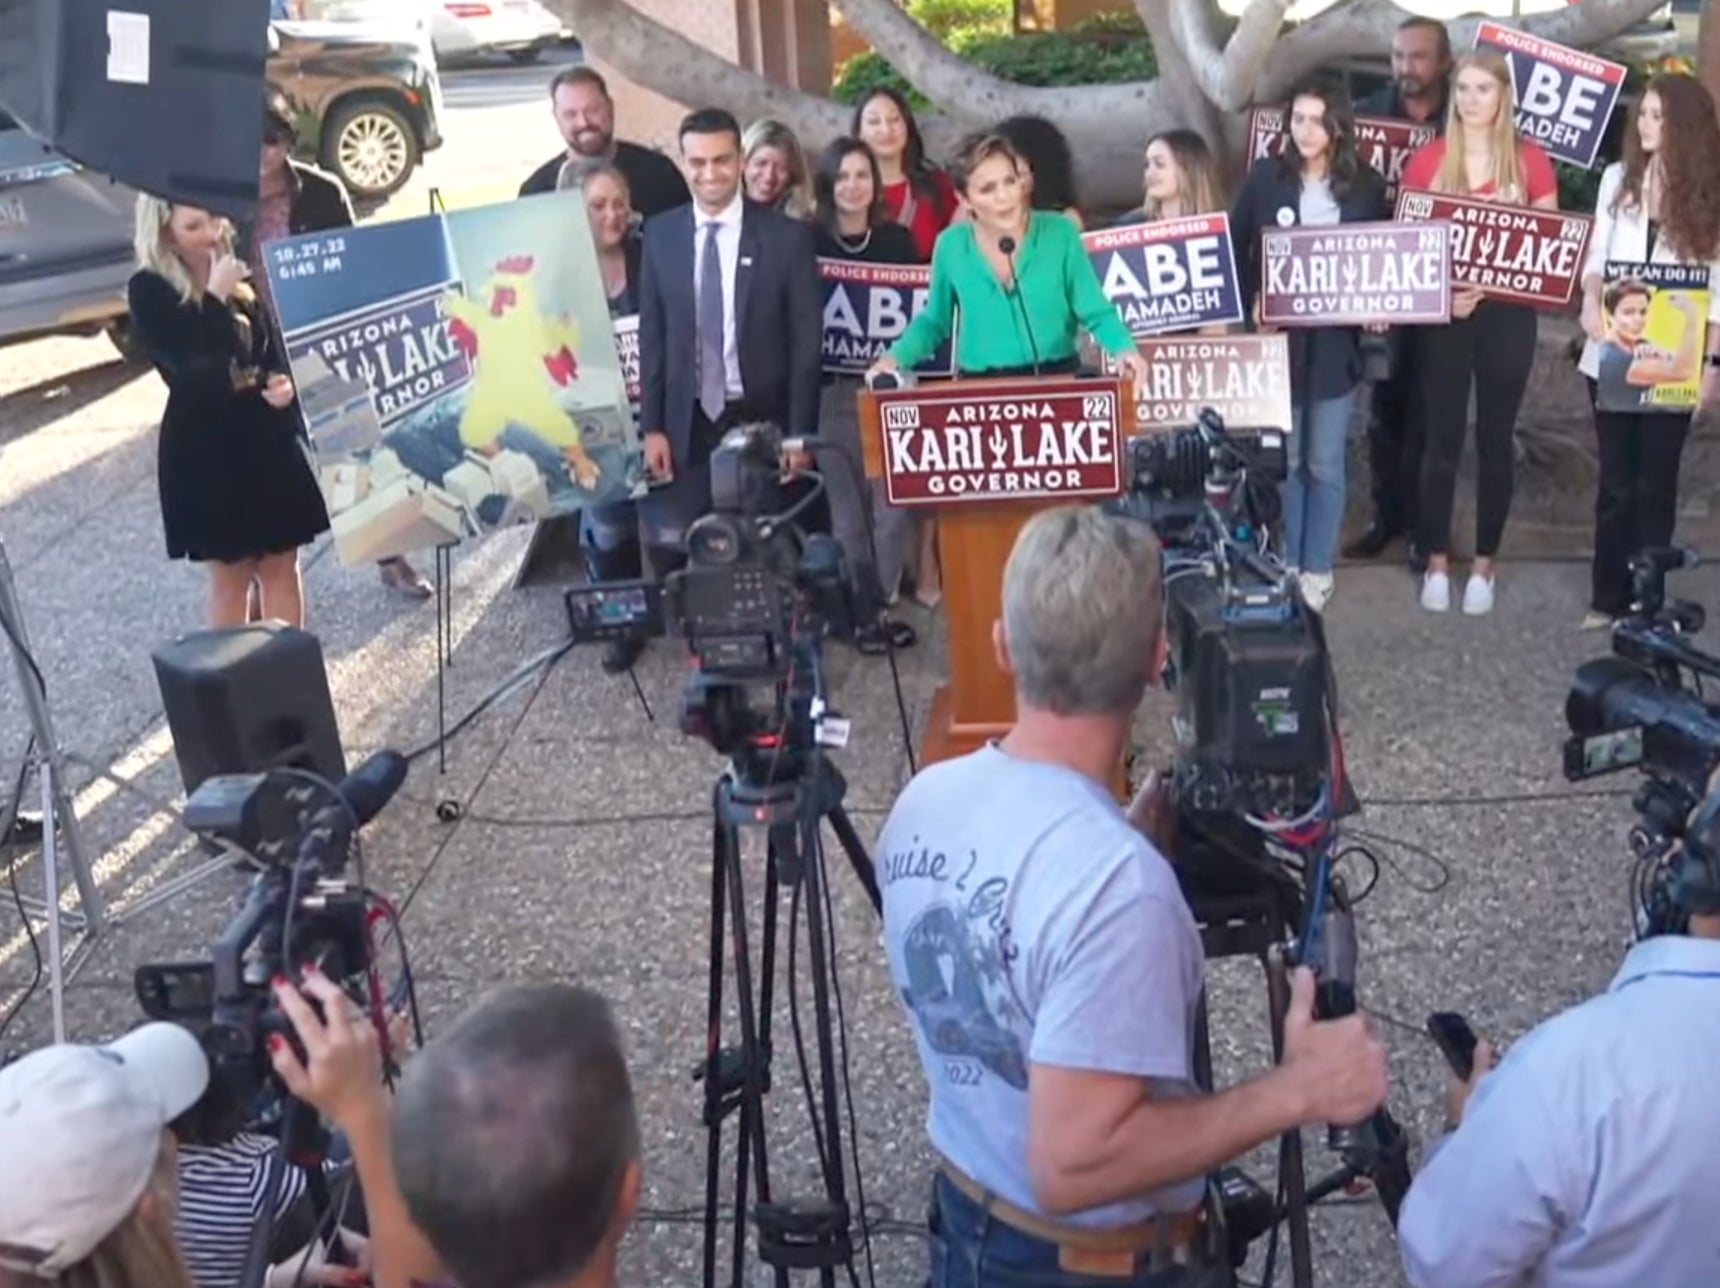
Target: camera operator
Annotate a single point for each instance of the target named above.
(1590, 1157)
(88, 1186)
(517, 1143)
(1051, 965)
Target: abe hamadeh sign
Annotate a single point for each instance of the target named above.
(1046, 440)
(866, 309)
(1564, 97)
(1169, 275)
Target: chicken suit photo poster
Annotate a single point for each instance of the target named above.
(457, 372)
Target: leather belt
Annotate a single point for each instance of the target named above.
(1112, 1250)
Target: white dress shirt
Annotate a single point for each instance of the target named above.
(1623, 239)
(1591, 1157)
(728, 223)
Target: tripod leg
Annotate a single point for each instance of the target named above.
(722, 840)
(752, 1059)
(1293, 1167)
(864, 870)
(818, 954)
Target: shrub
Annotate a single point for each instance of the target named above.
(1102, 51)
(948, 18)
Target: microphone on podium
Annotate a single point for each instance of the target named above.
(1007, 246)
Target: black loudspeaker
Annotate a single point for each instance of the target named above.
(160, 94)
(247, 699)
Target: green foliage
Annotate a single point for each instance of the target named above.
(947, 19)
(1102, 51)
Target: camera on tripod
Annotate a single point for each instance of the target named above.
(1643, 706)
(753, 603)
(302, 909)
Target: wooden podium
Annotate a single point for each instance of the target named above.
(987, 454)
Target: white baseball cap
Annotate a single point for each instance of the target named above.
(80, 1135)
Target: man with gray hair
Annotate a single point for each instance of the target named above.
(1052, 969)
(516, 1142)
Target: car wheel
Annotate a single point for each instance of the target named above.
(371, 147)
(119, 332)
(524, 57)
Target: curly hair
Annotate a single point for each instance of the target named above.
(1689, 156)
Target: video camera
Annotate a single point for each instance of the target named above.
(1643, 707)
(1247, 659)
(753, 603)
(301, 909)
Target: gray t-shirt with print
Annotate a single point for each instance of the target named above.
(1027, 922)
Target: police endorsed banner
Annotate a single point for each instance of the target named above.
(1564, 97)
(1010, 441)
(1354, 274)
(866, 309)
(1169, 275)
(1244, 378)
(1383, 143)
(1514, 253)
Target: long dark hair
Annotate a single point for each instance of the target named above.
(1690, 164)
(824, 177)
(915, 165)
(1339, 120)
(1048, 156)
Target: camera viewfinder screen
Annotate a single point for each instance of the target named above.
(1608, 751)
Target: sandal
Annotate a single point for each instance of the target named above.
(884, 636)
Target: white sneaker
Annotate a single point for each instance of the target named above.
(1436, 592)
(1478, 595)
(1317, 588)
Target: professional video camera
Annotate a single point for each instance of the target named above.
(1257, 772)
(302, 909)
(1643, 707)
(1247, 659)
(753, 603)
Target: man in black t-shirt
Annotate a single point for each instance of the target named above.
(1420, 84)
(585, 115)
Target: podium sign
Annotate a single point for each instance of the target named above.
(1046, 440)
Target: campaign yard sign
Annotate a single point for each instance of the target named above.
(1355, 274)
(1386, 145)
(1244, 378)
(1655, 318)
(1564, 97)
(866, 309)
(627, 349)
(1516, 253)
(1169, 275)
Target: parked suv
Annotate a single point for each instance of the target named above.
(368, 104)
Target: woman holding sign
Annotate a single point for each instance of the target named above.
(848, 212)
(1658, 206)
(1489, 343)
(1320, 180)
(1021, 278)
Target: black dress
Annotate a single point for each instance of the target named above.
(236, 475)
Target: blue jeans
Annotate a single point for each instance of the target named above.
(970, 1248)
(1314, 489)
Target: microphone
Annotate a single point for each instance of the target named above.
(372, 785)
(1007, 246)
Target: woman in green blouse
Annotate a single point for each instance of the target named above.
(1020, 277)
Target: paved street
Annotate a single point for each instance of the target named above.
(584, 852)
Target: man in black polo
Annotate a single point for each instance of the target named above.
(585, 115)
(1421, 73)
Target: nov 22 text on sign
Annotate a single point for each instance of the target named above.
(980, 441)
(1384, 144)
(1516, 253)
(1564, 97)
(1354, 274)
(1168, 275)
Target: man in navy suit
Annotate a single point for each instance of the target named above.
(731, 324)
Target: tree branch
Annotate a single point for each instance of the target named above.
(1225, 77)
(666, 62)
(1363, 28)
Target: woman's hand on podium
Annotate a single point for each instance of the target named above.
(1135, 364)
(885, 366)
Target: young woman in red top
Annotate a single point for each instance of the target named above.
(1489, 344)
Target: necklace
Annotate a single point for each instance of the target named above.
(851, 247)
